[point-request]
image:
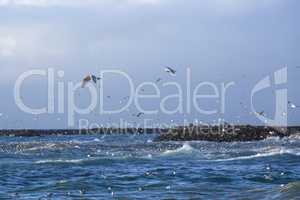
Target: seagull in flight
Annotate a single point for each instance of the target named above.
(171, 71)
(89, 78)
(292, 105)
(95, 78)
(140, 114)
(262, 113)
(86, 80)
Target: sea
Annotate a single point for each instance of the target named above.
(136, 167)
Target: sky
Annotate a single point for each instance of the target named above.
(220, 41)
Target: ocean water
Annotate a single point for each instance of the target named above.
(135, 167)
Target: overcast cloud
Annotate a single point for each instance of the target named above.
(221, 40)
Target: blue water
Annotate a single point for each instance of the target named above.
(135, 167)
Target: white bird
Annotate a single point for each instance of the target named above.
(292, 105)
(262, 113)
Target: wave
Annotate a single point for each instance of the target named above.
(289, 191)
(293, 186)
(87, 159)
(61, 161)
(44, 147)
(220, 156)
(272, 152)
(186, 148)
(97, 140)
(37, 146)
(295, 136)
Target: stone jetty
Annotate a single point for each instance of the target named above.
(183, 133)
(240, 133)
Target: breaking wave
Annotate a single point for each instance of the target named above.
(186, 148)
(272, 152)
(61, 161)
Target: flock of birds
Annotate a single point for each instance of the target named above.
(94, 79)
(263, 113)
(172, 72)
(89, 78)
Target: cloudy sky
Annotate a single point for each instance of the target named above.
(219, 40)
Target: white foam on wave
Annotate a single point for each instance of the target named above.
(186, 148)
(272, 152)
(273, 138)
(44, 147)
(295, 136)
(97, 140)
(49, 161)
(109, 156)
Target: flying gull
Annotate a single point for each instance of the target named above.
(262, 113)
(171, 71)
(158, 80)
(292, 105)
(140, 114)
(89, 78)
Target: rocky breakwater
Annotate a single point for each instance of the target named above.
(241, 133)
